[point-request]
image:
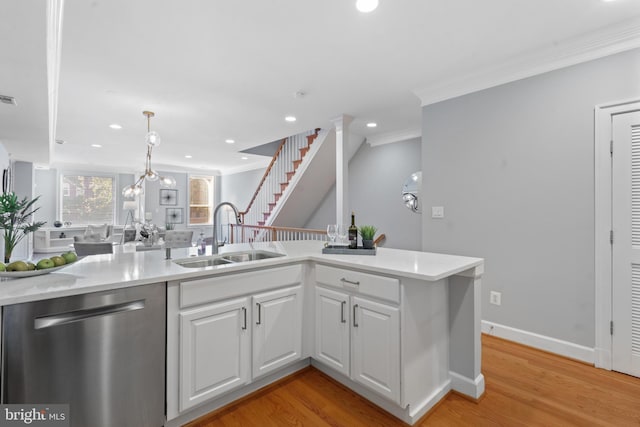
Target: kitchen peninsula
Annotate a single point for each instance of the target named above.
(401, 328)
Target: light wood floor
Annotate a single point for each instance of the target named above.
(524, 387)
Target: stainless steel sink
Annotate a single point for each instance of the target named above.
(250, 256)
(224, 259)
(200, 262)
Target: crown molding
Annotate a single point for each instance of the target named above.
(598, 44)
(390, 137)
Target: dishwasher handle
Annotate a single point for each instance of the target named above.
(84, 314)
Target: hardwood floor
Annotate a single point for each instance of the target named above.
(524, 387)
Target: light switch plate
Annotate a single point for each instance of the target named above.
(437, 211)
(495, 298)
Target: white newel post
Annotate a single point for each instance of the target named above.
(341, 124)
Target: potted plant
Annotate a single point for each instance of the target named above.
(367, 232)
(14, 220)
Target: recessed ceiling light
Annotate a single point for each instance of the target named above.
(230, 141)
(188, 156)
(366, 6)
(115, 126)
(372, 124)
(96, 145)
(290, 119)
(244, 158)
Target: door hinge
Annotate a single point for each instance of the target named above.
(611, 147)
(611, 327)
(611, 237)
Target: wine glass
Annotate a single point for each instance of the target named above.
(332, 232)
(343, 231)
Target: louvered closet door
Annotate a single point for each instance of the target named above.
(626, 246)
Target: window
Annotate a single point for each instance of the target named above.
(87, 199)
(200, 199)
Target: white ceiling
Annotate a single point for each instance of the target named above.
(213, 70)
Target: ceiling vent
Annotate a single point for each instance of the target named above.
(8, 99)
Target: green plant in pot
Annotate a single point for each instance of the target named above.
(14, 220)
(367, 232)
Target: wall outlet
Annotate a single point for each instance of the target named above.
(495, 298)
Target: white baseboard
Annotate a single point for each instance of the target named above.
(466, 386)
(542, 342)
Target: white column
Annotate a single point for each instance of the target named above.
(341, 123)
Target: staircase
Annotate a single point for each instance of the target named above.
(301, 173)
(272, 189)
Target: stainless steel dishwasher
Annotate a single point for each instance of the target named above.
(102, 353)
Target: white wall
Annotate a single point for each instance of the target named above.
(376, 175)
(46, 187)
(513, 167)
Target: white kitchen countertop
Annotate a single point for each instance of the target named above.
(126, 267)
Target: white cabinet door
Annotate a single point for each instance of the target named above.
(214, 350)
(375, 347)
(277, 329)
(332, 329)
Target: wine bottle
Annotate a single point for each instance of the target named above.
(353, 232)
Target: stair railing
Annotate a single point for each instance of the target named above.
(263, 182)
(276, 178)
(243, 233)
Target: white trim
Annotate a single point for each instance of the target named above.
(418, 411)
(467, 386)
(542, 342)
(608, 41)
(388, 138)
(603, 223)
(213, 194)
(55, 15)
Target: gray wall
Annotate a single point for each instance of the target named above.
(513, 167)
(238, 188)
(376, 175)
(46, 186)
(159, 212)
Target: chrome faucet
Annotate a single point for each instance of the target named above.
(214, 244)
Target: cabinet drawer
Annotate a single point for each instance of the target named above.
(201, 291)
(386, 288)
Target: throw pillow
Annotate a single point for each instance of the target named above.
(97, 229)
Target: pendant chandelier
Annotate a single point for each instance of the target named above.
(153, 140)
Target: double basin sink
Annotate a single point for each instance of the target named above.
(223, 259)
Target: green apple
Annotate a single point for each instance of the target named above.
(17, 266)
(45, 263)
(31, 266)
(58, 260)
(70, 257)
(2, 267)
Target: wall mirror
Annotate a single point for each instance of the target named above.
(411, 190)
